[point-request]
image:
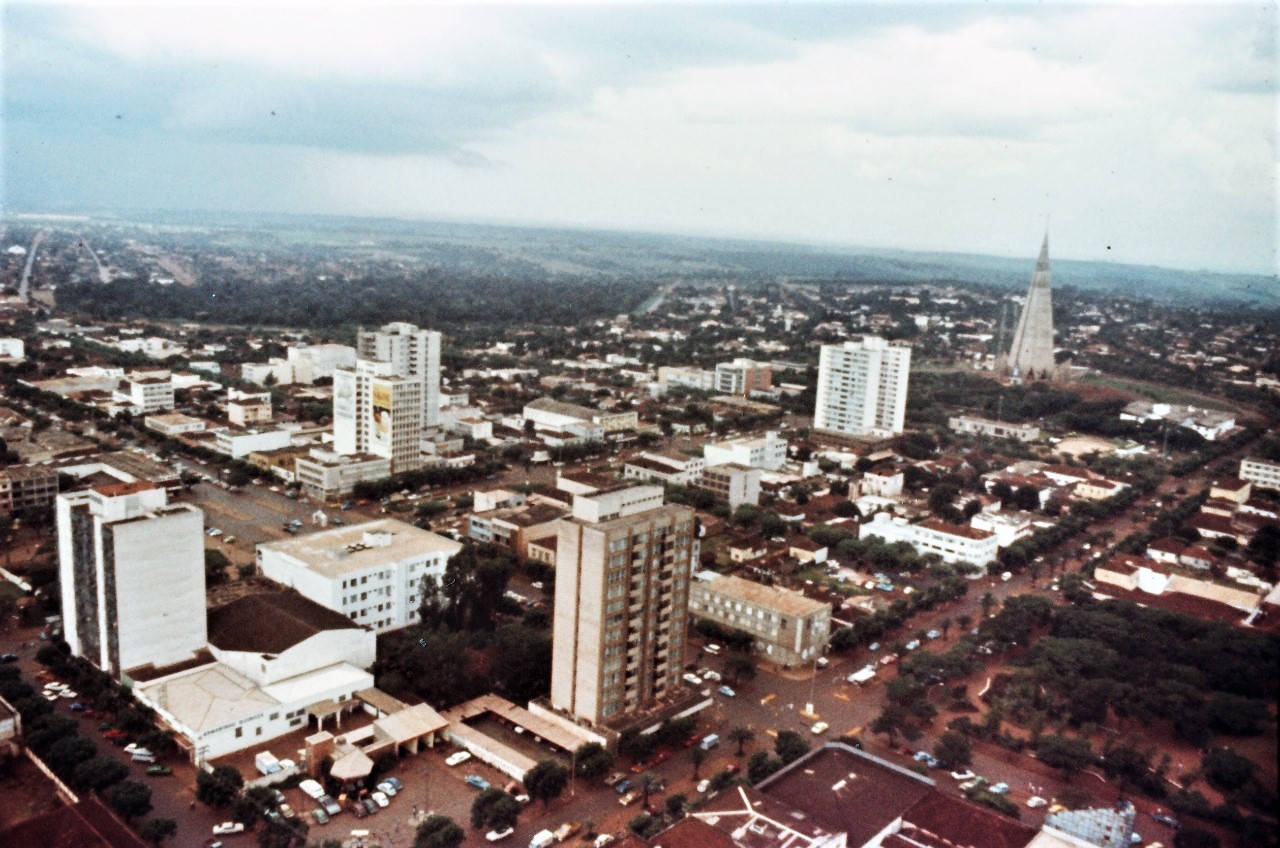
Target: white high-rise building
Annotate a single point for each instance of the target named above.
(862, 387)
(378, 411)
(131, 567)
(411, 352)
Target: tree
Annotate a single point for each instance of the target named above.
(790, 746)
(283, 833)
(987, 600)
(157, 830)
(546, 780)
(953, 750)
(698, 755)
(675, 805)
(945, 624)
(64, 755)
(1225, 769)
(99, 773)
(761, 765)
(1070, 755)
(647, 783)
(739, 667)
(741, 736)
(439, 832)
(159, 742)
(593, 760)
(219, 787)
(130, 799)
(494, 809)
(215, 567)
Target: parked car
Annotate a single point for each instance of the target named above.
(727, 692)
(498, 835)
(311, 789)
(380, 798)
(227, 828)
(704, 785)
(710, 675)
(457, 758)
(1166, 819)
(622, 787)
(478, 782)
(999, 789)
(159, 771)
(1036, 801)
(386, 788)
(77, 707)
(712, 649)
(394, 783)
(967, 774)
(692, 679)
(912, 645)
(370, 805)
(357, 809)
(616, 777)
(331, 806)
(320, 816)
(819, 728)
(8, 658)
(629, 798)
(973, 783)
(567, 830)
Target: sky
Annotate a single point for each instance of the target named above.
(1137, 133)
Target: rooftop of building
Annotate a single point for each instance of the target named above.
(848, 790)
(940, 526)
(768, 597)
(559, 407)
(28, 472)
(946, 820)
(753, 819)
(342, 550)
(271, 622)
(87, 824)
(119, 490)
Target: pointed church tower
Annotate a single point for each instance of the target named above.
(1031, 354)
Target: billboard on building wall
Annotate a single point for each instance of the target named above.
(344, 396)
(380, 427)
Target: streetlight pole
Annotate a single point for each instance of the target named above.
(813, 682)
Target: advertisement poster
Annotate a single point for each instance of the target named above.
(380, 432)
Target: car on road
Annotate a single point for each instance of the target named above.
(727, 692)
(311, 789)
(967, 774)
(1036, 801)
(477, 782)
(387, 788)
(357, 809)
(999, 789)
(710, 674)
(159, 771)
(622, 787)
(933, 634)
(704, 785)
(320, 816)
(712, 649)
(499, 835)
(629, 798)
(380, 798)
(77, 707)
(1166, 819)
(457, 758)
(370, 805)
(973, 783)
(912, 645)
(888, 659)
(566, 830)
(394, 783)
(228, 827)
(616, 777)
(692, 679)
(331, 806)
(819, 728)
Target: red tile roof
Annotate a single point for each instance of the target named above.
(943, 819)
(955, 529)
(116, 490)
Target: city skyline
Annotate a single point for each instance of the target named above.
(948, 128)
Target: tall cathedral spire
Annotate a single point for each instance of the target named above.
(1031, 354)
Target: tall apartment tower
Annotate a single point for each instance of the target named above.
(412, 353)
(131, 568)
(1031, 354)
(862, 387)
(378, 411)
(623, 564)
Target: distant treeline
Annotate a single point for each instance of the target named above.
(430, 299)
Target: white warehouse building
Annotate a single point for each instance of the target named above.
(372, 573)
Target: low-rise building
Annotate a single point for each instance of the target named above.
(768, 452)
(274, 372)
(373, 573)
(12, 350)
(882, 483)
(995, 429)
(247, 408)
(551, 414)
(665, 467)
(325, 475)
(516, 527)
(27, 487)
(1232, 489)
(743, 377)
(147, 392)
(1008, 527)
(733, 483)
(952, 542)
(239, 442)
(789, 628)
(1263, 473)
(174, 424)
(1209, 423)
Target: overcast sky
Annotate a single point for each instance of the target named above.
(1147, 133)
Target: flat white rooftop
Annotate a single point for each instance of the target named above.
(343, 550)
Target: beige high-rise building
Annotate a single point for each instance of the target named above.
(623, 563)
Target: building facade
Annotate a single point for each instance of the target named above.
(789, 628)
(325, 474)
(378, 411)
(131, 568)
(24, 487)
(372, 573)
(1031, 353)
(622, 596)
(768, 452)
(952, 542)
(733, 483)
(862, 387)
(411, 352)
(995, 429)
(1262, 473)
(742, 377)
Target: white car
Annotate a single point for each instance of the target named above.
(708, 674)
(819, 728)
(693, 679)
(498, 835)
(69, 695)
(458, 758)
(1036, 801)
(311, 788)
(704, 785)
(963, 775)
(227, 827)
(380, 798)
(387, 789)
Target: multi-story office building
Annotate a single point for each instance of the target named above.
(789, 628)
(410, 352)
(147, 392)
(131, 567)
(1262, 473)
(378, 410)
(325, 474)
(311, 362)
(862, 387)
(24, 487)
(743, 376)
(734, 483)
(247, 408)
(372, 573)
(622, 595)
